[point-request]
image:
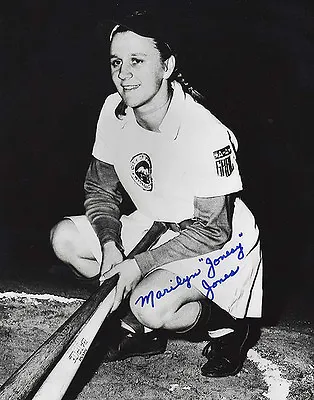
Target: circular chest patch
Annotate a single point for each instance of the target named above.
(141, 171)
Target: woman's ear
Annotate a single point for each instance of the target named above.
(170, 65)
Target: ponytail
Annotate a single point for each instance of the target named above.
(187, 88)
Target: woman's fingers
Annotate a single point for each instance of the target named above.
(108, 274)
(129, 276)
(111, 257)
(120, 288)
(120, 295)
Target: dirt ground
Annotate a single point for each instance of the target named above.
(25, 324)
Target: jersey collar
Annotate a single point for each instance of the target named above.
(170, 125)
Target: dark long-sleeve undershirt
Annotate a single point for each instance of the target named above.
(102, 201)
(210, 230)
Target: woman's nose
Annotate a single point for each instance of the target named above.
(125, 72)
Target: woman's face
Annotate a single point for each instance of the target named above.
(137, 71)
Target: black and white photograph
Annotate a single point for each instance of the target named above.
(156, 199)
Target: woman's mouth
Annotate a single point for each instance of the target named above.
(128, 88)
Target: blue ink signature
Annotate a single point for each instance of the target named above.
(210, 292)
(214, 263)
(150, 297)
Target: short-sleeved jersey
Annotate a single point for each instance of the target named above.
(192, 155)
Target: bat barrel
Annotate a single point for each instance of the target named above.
(58, 381)
(34, 370)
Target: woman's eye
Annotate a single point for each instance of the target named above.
(115, 63)
(136, 61)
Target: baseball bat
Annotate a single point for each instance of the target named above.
(30, 375)
(57, 382)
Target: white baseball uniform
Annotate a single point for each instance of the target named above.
(192, 156)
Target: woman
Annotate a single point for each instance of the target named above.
(178, 164)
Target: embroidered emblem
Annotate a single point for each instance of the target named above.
(224, 165)
(141, 171)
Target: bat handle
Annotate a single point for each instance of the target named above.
(149, 239)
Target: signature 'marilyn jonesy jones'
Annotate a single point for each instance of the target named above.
(209, 285)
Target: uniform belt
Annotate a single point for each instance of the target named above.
(179, 226)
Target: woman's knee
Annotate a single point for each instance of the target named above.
(156, 300)
(62, 239)
(153, 318)
(150, 310)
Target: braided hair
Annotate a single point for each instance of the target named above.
(187, 88)
(165, 52)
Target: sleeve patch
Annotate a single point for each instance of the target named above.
(224, 165)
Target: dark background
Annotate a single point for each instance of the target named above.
(252, 60)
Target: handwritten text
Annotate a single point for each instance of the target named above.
(211, 272)
(151, 296)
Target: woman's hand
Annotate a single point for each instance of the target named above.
(111, 257)
(129, 277)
